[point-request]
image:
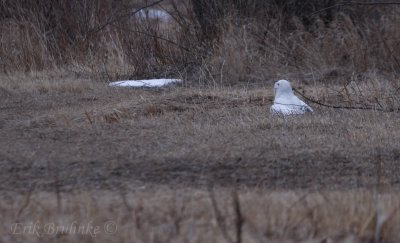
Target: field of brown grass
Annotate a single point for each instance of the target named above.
(202, 161)
(188, 215)
(76, 152)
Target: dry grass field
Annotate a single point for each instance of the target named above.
(152, 162)
(202, 161)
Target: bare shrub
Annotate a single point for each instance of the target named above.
(206, 41)
(98, 38)
(253, 50)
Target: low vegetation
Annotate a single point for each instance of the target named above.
(201, 161)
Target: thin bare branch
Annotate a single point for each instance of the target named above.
(122, 193)
(153, 36)
(344, 107)
(218, 215)
(27, 200)
(239, 217)
(354, 4)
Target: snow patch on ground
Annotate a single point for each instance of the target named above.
(145, 83)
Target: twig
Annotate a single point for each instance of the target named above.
(27, 200)
(56, 183)
(122, 193)
(377, 101)
(88, 117)
(239, 217)
(57, 190)
(153, 36)
(218, 215)
(378, 211)
(343, 107)
(354, 4)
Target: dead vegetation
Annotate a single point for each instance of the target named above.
(264, 42)
(165, 215)
(145, 158)
(203, 161)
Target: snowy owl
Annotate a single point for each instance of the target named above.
(285, 102)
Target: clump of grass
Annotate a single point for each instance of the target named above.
(115, 115)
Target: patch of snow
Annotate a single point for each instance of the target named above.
(153, 14)
(145, 83)
(285, 102)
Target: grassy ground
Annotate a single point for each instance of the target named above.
(188, 215)
(76, 150)
(203, 161)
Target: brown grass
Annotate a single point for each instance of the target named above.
(162, 163)
(145, 158)
(165, 215)
(112, 44)
(252, 51)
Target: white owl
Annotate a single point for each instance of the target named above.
(285, 102)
